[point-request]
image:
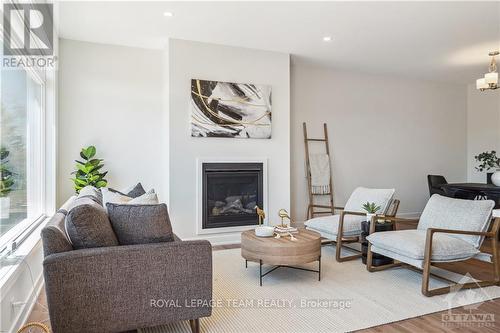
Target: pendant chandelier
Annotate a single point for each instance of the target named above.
(490, 79)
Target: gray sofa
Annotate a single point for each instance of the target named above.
(123, 288)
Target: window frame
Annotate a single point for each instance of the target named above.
(17, 234)
(11, 240)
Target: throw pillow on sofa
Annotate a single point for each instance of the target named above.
(87, 226)
(91, 192)
(149, 198)
(111, 196)
(133, 191)
(140, 224)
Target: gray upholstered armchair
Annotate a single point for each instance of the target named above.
(345, 228)
(122, 288)
(449, 230)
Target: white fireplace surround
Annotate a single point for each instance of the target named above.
(199, 191)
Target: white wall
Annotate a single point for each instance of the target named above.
(384, 132)
(483, 128)
(111, 97)
(133, 105)
(191, 60)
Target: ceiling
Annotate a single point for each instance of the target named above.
(440, 41)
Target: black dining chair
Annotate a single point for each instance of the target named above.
(435, 182)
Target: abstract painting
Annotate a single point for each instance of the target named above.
(230, 110)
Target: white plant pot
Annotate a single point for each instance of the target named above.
(495, 178)
(369, 216)
(4, 207)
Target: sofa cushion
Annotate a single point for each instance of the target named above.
(92, 193)
(457, 214)
(330, 224)
(140, 224)
(88, 226)
(411, 243)
(362, 195)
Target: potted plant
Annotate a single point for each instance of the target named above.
(488, 160)
(88, 171)
(371, 210)
(6, 183)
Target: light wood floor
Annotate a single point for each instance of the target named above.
(429, 323)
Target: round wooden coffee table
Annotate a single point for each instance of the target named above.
(282, 252)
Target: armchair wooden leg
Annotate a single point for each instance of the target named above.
(369, 258)
(496, 260)
(427, 264)
(338, 252)
(338, 249)
(195, 325)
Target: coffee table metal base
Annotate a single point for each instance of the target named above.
(261, 275)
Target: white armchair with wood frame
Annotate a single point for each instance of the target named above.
(448, 230)
(345, 228)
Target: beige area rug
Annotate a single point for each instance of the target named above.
(347, 298)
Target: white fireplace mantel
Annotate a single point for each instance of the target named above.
(199, 191)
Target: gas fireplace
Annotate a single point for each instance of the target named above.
(230, 193)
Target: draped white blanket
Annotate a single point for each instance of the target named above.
(320, 173)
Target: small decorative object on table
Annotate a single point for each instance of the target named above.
(261, 214)
(283, 214)
(283, 232)
(488, 161)
(263, 230)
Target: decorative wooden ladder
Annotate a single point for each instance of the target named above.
(310, 208)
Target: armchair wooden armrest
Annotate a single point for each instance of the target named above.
(492, 233)
(396, 220)
(346, 212)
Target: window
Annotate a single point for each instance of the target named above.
(21, 153)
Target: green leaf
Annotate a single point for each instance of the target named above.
(82, 168)
(80, 181)
(82, 154)
(95, 161)
(90, 152)
(101, 183)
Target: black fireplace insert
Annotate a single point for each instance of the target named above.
(230, 193)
